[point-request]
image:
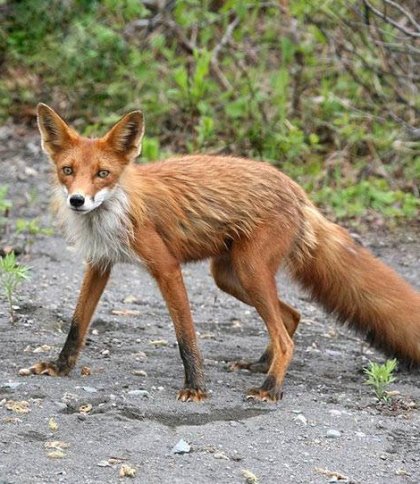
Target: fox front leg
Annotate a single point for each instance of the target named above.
(166, 271)
(174, 293)
(93, 285)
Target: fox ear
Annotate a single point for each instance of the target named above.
(125, 137)
(55, 133)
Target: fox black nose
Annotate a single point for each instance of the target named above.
(77, 200)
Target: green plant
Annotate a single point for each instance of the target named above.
(31, 229)
(11, 276)
(205, 131)
(150, 149)
(5, 204)
(380, 376)
(355, 199)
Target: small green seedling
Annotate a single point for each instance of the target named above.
(5, 204)
(11, 276)
(31, 229)
(380, 376)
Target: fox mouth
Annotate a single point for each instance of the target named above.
(81, 210)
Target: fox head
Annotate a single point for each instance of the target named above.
(87, 169)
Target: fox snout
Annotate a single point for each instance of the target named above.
(76, 200)
(81, 202)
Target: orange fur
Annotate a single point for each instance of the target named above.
(360, 290)
(248, 218)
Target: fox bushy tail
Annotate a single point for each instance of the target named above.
(348, 281)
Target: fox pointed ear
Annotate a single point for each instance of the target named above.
(125, 137)
(55, 133)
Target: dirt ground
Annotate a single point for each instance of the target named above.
(83, 429)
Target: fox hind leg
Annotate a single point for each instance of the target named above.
(256, 261)
(227, 280)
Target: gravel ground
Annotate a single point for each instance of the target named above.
(82, 429)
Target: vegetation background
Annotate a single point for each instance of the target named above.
(328, 91)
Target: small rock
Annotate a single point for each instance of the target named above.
(139, 393)
(85, 371)
(56, 444)
(103, 463)
(61, 406)
(11, 385)
(360, 434)
(18, 407)
(86, 408)
(127, 471)
(333, 353)
(250, 477)
(220, 455)
(207, 336)
(182, 447)
(90, 389)
(140, 356)
(52, 424)
(114, 460)
(42, 349)
(56, 454)
(130, 300)
(159, 343)
(333, 434)
(335, 413)
(125, 312)
(24, 372)
(106, 353)
(139, 373)
(402, 472)
(301, 419)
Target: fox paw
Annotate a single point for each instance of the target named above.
(261, 395)
(191, 395)
(49, 368)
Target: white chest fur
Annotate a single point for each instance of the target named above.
(103, 235)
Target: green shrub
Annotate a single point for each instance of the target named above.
(270, 87)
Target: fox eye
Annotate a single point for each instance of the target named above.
(103, 173)
(67, 170)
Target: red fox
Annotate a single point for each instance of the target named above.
(245, 216)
